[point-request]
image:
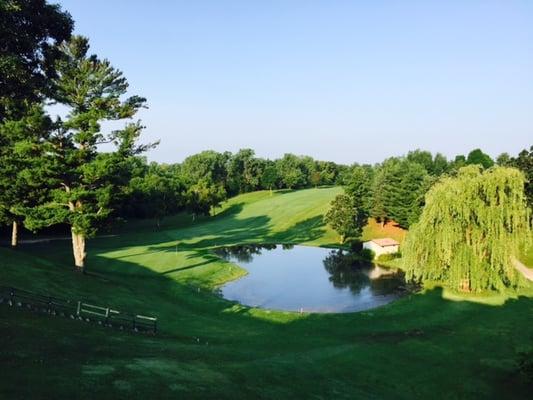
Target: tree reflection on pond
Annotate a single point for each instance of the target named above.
(243, 253)
(347, 270)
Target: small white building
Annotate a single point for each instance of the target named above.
(382, 246)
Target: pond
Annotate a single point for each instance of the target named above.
(309, 279)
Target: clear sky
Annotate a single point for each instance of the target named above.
(348, 81)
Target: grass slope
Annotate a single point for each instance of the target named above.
(423, 346)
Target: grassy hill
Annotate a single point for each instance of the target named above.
(428, 345)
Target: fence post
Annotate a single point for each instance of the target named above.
(79, 309)
(12, 294)
(134, 323)
(107, 315)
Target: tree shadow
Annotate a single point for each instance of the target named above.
(182, 269)
(232, 210)
(303, 231)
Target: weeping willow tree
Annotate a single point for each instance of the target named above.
(472, 226)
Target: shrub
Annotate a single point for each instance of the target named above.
(388, 257)
(366, 254)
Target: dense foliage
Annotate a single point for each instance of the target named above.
(472, 226)
(346, 217)
(22, 171)
(202, 181)
(399, 185)
(477, 157)
(29, 33)
(524, 162)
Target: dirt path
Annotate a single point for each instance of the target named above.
(528, 273)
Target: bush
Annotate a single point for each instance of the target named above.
(356, 245)
(366, 254)
(357, 252)
(389, 257)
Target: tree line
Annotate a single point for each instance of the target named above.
(202, 181)
(395, 190)
(392, 190)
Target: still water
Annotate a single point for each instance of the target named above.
(310, 279)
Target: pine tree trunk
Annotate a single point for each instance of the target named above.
(342, 239)
(14, 234)
(78, 248)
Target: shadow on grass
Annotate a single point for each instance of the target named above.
(208, 259)
(410, 341)
(303, 231)
(232, 210)
(474, 343)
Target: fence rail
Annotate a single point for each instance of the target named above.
(105, 316)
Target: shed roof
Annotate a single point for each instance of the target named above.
(385, 242)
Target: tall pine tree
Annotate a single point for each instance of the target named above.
(84, 179)
(397, 189)
(28, 32)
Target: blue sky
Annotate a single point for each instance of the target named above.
(348, 81)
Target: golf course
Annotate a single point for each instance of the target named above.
(429, 344)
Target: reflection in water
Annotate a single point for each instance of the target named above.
(243, 253)
(348, 271)
(307, 278)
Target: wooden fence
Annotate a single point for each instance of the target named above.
(104, 316)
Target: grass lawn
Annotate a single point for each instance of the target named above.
(427, 345)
